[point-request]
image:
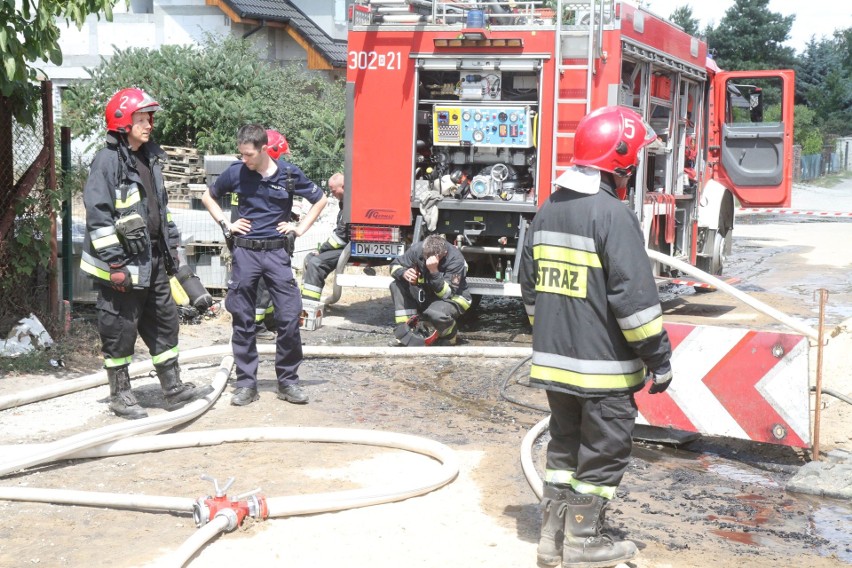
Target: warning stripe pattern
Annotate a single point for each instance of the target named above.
(736, 383)
(763, 211)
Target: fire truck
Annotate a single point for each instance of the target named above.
(461, 114)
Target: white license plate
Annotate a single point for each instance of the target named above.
(384, 250)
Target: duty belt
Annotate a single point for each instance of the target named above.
(260, 244)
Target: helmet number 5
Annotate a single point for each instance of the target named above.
(629, 128)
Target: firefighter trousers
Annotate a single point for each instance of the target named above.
(590, 440)
(410, 300)
(147, 312)
(273, 267)
(317, 268)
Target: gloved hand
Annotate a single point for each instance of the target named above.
(290, 242)
(661, 377)
(119, 278)
(133, 232)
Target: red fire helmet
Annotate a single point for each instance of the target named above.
(122, 105)
(609, 139)
(276, 145)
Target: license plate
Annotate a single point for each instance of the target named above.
(384, 250)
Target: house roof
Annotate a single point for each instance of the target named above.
(323, 51)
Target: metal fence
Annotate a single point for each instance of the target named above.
(26, 175)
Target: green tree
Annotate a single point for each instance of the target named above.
(29, 33)
(683, 17)
(750, 36)
(824, 82)
(806, 133)
(208, 92)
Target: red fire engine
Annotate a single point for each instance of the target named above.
(461, 114)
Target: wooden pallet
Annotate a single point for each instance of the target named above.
(180, 151)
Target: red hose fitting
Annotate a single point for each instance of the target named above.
(245, 505)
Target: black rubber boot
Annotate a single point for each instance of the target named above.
(121, 399)
(176, 392)
(585, 546)
(553, 507)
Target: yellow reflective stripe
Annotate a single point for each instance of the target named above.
(112, 362)
(560, 278)
(259, 317)
(401, 319)
(169, 216)
(94, 270)
(461, 301)
(532, 320)
(165, 356)
(444, 291)
(132, 199)
(650, 329)
(310, 293)
(605, 491)
(105, 242)
(562, 254)
(561, 376)
(562, 476)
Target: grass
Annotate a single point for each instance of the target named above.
(830, 180)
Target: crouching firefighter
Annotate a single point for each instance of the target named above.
(130, 251)
(429, 293)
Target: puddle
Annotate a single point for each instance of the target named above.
(833, 522)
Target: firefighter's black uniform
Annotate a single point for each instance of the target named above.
(590, 294)
(119, 186)
(320, 264)
(441, 298)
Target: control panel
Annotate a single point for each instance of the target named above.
(496, 126)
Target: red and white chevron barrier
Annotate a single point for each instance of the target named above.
(737, 383)
(784, 211)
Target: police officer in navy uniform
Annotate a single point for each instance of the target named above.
(130, 250)
(277, 147)
(598, 335)
(265, 188)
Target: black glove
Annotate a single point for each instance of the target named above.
(133, 232)
(661, 378)
(119, 278)
(290, 242)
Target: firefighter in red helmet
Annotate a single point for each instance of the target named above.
(130, 251)
(598, 335)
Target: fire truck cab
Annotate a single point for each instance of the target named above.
(461, 114)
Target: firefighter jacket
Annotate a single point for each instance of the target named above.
(339, 237)
(114, 190)
(590, 295)
(448, 283)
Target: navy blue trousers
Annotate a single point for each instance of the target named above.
(273, 267)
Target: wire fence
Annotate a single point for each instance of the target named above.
(25, 160)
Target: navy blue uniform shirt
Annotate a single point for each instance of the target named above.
(265, 202)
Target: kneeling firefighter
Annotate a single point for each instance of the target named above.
(598, 335)
(429, 293)
(130, 251)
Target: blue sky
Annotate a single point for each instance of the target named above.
(813, 17)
